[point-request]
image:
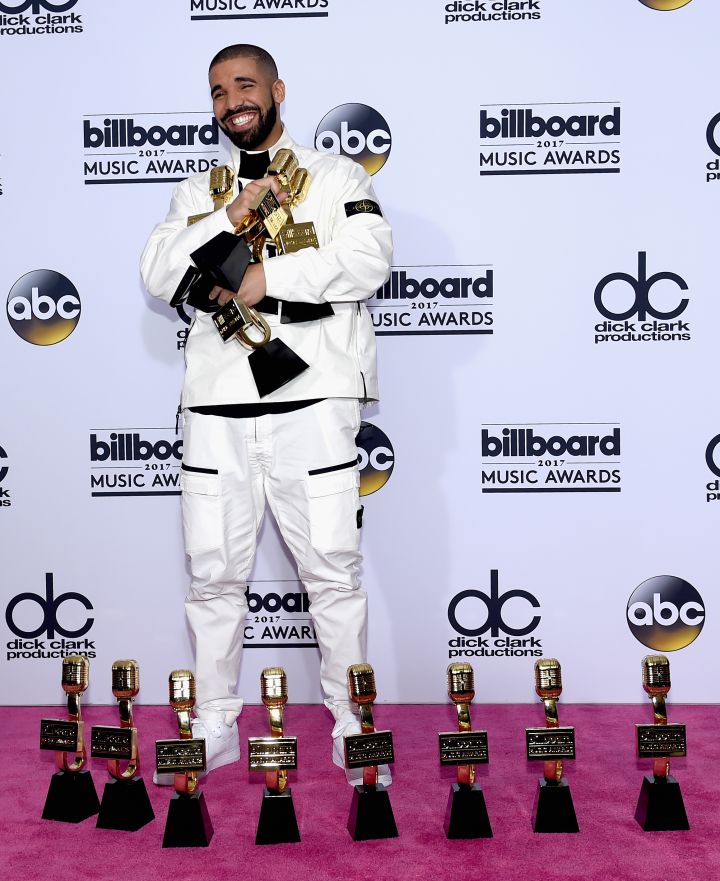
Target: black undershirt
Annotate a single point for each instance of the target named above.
(245, 411)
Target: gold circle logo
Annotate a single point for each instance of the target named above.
(665, 5)
(43, 307)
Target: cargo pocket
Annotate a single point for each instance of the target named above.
(333, 499)
(201, 511)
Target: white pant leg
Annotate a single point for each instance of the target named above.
(312, 487)
(222, 512)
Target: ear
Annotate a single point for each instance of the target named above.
(277, 90)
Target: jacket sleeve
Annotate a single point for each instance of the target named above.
(352, 265)
(167, 252)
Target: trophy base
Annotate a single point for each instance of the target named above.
(188, 823)
(225, 257)
(554, 810)
(371, 814)
(125, 805)
(71, 797)
(274, 365)
(466, 815)
(660, 807)
(277, 823)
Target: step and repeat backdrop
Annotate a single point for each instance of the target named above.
(542, 475)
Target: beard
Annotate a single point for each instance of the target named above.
(252, 138)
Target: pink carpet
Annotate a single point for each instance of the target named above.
(605, 782)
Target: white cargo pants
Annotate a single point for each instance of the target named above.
(305, 464)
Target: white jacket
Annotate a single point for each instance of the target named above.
(352, 262)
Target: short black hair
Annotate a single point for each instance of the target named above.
(247, 50)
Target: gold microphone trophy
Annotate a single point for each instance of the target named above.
(660, 806)
(188, 822)
(275, 755)
(371, 814)
(71, 797)
(466, 815)
(125, 803)
(554, 810)
(223, 261)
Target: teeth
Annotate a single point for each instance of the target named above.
(242, 119)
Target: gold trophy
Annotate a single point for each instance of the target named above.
(125, 803)
(371, 814)
(660, 806)
(466, 815)
(222, 180)
(188, 822)
(275, 755)
(554, 810)
(223, 262)
(71, 796)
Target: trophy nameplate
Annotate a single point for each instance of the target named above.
(464, 748)
(179, 756)
(270, 212)
(296, 236)
(61, 735)
(661, 741)
(550, 744)
(365, 750)
(112, 742)
(272, 753)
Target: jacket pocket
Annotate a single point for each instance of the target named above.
(333, 500)
(201, 511)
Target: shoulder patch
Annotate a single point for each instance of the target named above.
(362, 206)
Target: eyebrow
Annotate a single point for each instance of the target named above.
(237, 79)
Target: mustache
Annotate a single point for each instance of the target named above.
(237, 110)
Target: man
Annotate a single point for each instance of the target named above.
(294, 447)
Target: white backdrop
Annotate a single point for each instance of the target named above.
(519, 352)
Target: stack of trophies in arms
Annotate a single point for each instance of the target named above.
(125, 804)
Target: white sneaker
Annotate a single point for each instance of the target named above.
(222, 746)
(345, 727)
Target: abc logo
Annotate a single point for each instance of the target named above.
(641, 305)
(36, 5)
(665, 613)
(3, 468)
(357, 131)
(43, 307)
(474, 612)
(665, 5)
(376, 458)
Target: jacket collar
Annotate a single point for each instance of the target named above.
(284, 141)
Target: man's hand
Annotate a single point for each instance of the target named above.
(240, 205)
(252, 289)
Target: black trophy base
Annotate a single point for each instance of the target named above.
(277, 823)
(188, 823)
(274, 365)
(466, 815)
(554, 810)
(71, 797)
(660, 807)
(371, 814)
(125, 805)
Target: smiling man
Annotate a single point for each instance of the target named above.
(294, 447)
